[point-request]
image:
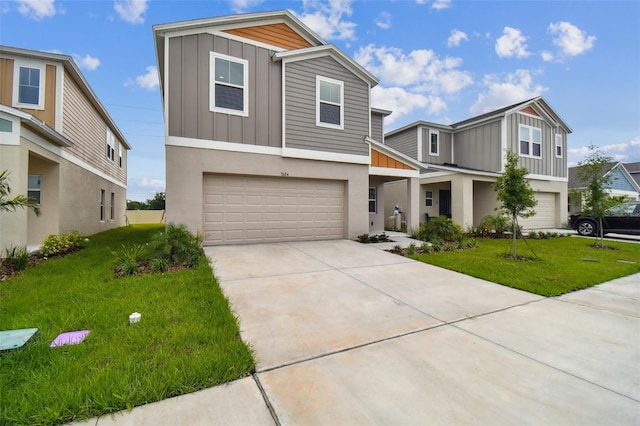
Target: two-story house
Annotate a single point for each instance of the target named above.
(60, 147)
(463, 160)
(269, 132)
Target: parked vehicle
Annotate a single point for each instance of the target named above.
(624, 219)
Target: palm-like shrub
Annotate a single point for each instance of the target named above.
(439, 228)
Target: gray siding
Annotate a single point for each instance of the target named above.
(188, 91)
(377, 129)
(548, 165)
(479, 147)
(406, 142)
(300, 104)
(444, 153)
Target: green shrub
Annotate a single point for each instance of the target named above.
(441, 228)
(159, 264)
(397, 249)
(383, 237)
(373, 239)
(129, 258)
(363, 238)
(178, 245)
(53, 244)
(16, 256)
(436, 245)
(411, 250)
(426, 248)
(533, 235)
(494, 225)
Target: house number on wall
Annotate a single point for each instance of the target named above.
(284, 173)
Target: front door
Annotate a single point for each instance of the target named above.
(445, 203)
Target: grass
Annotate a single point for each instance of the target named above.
(187, 339)
(563, 264)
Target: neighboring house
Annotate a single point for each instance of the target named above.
(269, 133)
(60, 146)
(634, 171)
(463, 160)
(621, 183)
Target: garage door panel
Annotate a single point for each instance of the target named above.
(545, 212)
(243, 209)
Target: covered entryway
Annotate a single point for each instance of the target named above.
(545, 212)
(253, 209)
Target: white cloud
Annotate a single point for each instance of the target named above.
(511, 43)
(516, 87)
(420, 68)
(384, 20)
(326, 18)
(147, 81)
(87, 62)
(547, 56)
(403, 102)
(239, 6)
(571, 40)
(131, 11)
(456, 38)
(441, 4)
(627, 152)
(36, 9)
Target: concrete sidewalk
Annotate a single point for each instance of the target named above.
(346, 333)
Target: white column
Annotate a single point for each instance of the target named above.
(412, 211)
(462, 201)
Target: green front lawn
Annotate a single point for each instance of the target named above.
(563, 264)
(186, 340)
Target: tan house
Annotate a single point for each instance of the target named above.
(60, 147)
(462, 161)
(269, 133)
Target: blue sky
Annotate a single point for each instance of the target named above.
(441, 61)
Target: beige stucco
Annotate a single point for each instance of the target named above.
(144, 216)
(184, 191)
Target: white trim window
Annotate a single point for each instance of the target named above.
(558, 145)
(111, 145)
(34, 186)
(434, 143)
(229, 84)
(102, 201)
(112, 210)
(373, 200)
(530, 141)
(428, 199)
(29, 86)
(120, 154)
(329, 103)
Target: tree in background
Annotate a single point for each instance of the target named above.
(155, 203)
(596, 201)
(515, 194)
(20, 201)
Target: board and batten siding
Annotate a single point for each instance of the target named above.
(301, 130)
(444, 148)
(377, 127)
(188, 92)
(548, 164)
(82, 124)
(406, 142)
(479, 147)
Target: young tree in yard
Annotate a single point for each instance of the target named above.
(596, 201)
(11, 204)
(515, 194)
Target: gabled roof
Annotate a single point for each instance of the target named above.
(545, 111)
(335, 53)
(575, 183)
(72, 68)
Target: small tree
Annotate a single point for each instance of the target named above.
(20, 201)
(157, 202)
(515, 194)
(591, 172)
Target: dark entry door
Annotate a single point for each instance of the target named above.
(445, 203)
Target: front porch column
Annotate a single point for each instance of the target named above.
(412, 211)
(462, 201)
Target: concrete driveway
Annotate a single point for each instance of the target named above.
(346, 334)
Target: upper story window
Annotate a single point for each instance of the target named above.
(329, 103)
(434, 144)
(530, 141)
(228, 92)
(111, 145)
(558, 145)
(29, 90)
(120, 154)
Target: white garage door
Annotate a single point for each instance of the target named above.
(545, 212)
(250, 209)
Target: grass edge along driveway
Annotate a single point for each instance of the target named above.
(187, 339)
(563, 264)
